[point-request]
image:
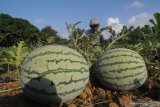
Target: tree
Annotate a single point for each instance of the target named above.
(49, 32)
(13, 30)
(50, 36)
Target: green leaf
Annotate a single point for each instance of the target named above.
(16, 54)
(152, 21)
(11, 53)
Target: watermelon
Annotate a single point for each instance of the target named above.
(121, 69)
(54, 73)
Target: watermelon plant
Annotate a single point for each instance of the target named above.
(54, 73)
(147, 38)
(121, 69)
(84, 44)
(15, 55)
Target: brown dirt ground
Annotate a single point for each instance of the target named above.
(95, 95)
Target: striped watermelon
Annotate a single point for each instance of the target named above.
(121, 69)
(54, 73)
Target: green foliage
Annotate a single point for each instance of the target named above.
(74, 33)
(122, 39)
(2, 58)
(49, 35)
(148, 38)
(16, 54)
(84, 44)
(62, 41)
(13, 30)
(2, 55)
(145, 40)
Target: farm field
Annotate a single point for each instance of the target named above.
(122, 72)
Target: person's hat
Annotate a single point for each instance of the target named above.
(94, 22)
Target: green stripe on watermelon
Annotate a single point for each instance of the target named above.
(118, 63)
(71, 61)
(130, 85)
(123, 77)
(116, 56)
(119, 52)
(120, 70)
(57, 71)
(73, 81)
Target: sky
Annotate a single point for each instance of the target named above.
(57, 13)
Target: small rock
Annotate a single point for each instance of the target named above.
(90, 105)
(101, 92)
(89, 93)
(72, 105)
(108, 95)
(83, 95)
(125, 101)
(112, 104)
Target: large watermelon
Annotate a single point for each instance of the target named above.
(121, 69)
(54, 73)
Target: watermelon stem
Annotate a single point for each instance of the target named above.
(18, 74)
(115, 40)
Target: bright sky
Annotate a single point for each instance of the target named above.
(57, 12)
